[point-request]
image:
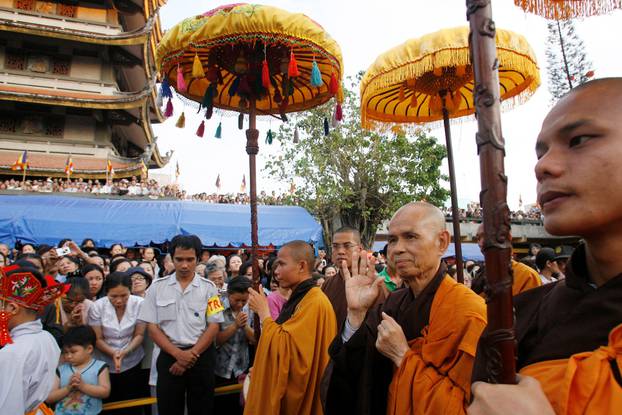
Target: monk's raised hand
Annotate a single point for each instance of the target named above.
(362, 287)
(391, 341)
(525, 398)
(258, 302)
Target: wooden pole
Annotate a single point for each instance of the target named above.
(455, 214)
(498, 340)
(252, 148)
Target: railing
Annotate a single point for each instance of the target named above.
(61, 21)
(56, 82)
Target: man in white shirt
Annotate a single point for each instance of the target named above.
(29, 355)
(547, 266)
(183, 312)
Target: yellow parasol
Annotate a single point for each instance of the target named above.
(229, 47)
(568, 9)
(255, 60)
(431, 79)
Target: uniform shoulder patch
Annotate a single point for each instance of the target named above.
(214, 306)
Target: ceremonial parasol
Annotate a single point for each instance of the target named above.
(568, 9)
(251, 59)
(430, 79)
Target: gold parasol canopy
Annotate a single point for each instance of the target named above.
(405, 84)
(285, 61)
(568, 9)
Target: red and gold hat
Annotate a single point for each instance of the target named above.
(19, 285)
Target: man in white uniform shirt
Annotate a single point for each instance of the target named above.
(29, 355)
(183, 312)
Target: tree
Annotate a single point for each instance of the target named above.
(567, 62)
(353, 175)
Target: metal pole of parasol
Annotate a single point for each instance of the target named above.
(252, 148)
(499, 339)
(455, 218)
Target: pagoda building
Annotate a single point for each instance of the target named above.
(77, 79)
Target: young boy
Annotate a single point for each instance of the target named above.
(82, 382)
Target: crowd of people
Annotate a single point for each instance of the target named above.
(473, 212)
(136, 188)
(400, 338)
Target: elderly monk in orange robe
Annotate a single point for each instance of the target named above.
(414, 353)
(569, 332)
(293, 350)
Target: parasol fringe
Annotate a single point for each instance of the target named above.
(169, 108)
(197, 67)
(201, 129)
(181, 121)
(446, 58)
(568, 9)
(181, 82)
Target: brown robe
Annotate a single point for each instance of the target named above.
(569, 338)
(442, 326)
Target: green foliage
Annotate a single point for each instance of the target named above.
(567, 62)
(357, 176)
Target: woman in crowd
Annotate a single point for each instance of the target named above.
(70, 310)
(119, 338)
(235, 262)
(279, 296)
(28, 249)
(68, 267)
(330, 271)
(149, 255)
(117, 249)
(167, 266)
(141, 280)
(88, 245)
(147, 267)
(94, 274)
(232, 353)
(246, 270)
(120, 265)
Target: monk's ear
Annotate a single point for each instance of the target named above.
(444, 238)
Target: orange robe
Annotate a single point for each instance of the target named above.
(291, 358)
(525, 278)
(435, 375)
(585, 383)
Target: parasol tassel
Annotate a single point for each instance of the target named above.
(292, 69)
(233, 89)
(241, 121)
(265, 74)
(181, 121)
(413, 100)
(197, 67)
(201, 129)
(219, 130)
(169, 108)
(208, 98)
(339, 112)
(181, 82)
(333, 121)
(296, 136)
(402, 95)
(165, 89)
(326, 127)
(5, 336)
(269, 137)
(209, 112)
(333, 86)
(277, 96)
(316, 75)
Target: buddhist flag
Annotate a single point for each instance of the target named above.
(143, 169)
(69, 166)
(243, 185)
(22, 162)
(218, 182)
(109, 168)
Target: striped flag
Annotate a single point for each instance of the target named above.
(22, 162)
(109, 168)
(69, 166)
(243, 185)
(218, 182)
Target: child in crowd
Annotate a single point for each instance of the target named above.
(82, 382)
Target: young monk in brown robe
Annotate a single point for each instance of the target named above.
(414, 353)
(293, 350)
(570, 332)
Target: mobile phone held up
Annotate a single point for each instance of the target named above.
(63, 251)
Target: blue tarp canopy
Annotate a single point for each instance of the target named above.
(47, 219)
(469, 251)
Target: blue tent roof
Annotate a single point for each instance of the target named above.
(48, 219)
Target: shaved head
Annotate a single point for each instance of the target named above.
(356, 235)
(426, 212)
(301, 251)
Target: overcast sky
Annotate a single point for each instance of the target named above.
(364, 29)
